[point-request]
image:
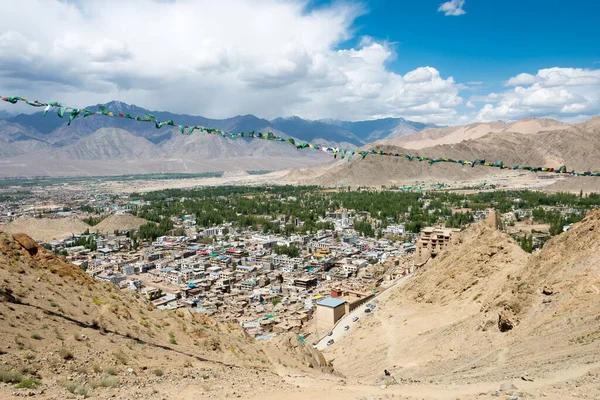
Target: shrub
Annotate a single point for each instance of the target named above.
(36, 336)
(79, 390)
(109, 381)
(29, 356)
(158, 372)
(172, 339)
(7, 376)
(65, 353)
(53, 304)
(59, 335)
(28, 383)
(121, 357)
(106, 382)
(111, 371)
(96, 368)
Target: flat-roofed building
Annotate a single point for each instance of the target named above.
(329, 311)
(433, 240)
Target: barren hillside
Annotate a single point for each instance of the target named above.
(439, 334)
(46, 229)
(456, 134)
(65, 332)
(124, 222)
(484, 311)
(569, 146)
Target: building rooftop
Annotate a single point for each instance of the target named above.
(331, 302)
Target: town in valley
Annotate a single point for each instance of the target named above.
(272, 259)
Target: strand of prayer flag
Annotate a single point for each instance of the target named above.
(335, 151)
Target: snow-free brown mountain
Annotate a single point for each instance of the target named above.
(456, 134)
(571, 145)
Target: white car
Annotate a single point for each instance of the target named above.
(346, 327)
(355, 319)
(330, 342)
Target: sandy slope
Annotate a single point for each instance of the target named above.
(46, 229)
(442, 326)
(124, 222)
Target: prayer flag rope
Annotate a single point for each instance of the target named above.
(189, 129)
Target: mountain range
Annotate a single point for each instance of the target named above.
(36, 145)
(532, 142)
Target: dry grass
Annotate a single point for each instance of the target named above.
(65, 353)
(78, 390)
(10, 376)
(107, 382)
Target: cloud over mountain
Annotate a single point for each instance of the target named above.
(566, 93)
(270, 58)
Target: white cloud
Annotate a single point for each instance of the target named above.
(218, 59)
(470, 104)
(521, 79)
(452, 8)
(569, 94)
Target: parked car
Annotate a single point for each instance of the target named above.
(367, 310)
(330, 333)
(346, 327)
(355, 319)
(330, 342)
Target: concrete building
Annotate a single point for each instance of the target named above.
(305, 283)
(329, 311)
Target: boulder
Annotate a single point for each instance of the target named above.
(27, 243)
(505, 321)
(507, 386)
(547, 290)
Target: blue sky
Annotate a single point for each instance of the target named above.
(346, 59)
(491, 41)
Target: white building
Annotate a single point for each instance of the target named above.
(397, 230)
(214, 272)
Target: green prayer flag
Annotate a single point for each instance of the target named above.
(61, 111)
(73, 115)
